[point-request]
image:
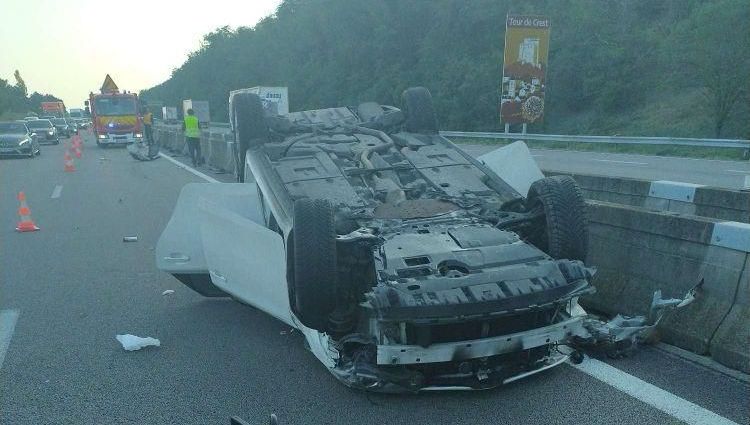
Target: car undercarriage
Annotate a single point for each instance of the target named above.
(408, 264)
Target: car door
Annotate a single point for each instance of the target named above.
(246, 259)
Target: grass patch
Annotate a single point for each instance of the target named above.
(654, 150)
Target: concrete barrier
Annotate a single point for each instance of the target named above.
(683, 198)
(637, 251)
(179, 146)
(218, 157)
(205, 144)
(168, 139)
(731, 343)
(230, 166)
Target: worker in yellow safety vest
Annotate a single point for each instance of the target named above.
(148, 122)
(193, 137)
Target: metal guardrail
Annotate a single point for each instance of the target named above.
(674, 141)
(623, 140)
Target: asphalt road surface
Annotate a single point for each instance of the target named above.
(68, 289)
(729, 174)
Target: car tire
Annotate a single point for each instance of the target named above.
(420, 112)
(314, 260)
(565, 224)
(250, 128)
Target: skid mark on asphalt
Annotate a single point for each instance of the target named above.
(187, 168)
(652, 395)
(8, 320)
(56, 193)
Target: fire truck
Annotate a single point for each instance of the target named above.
(114, 115)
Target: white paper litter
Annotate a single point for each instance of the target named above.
(133, 343)
(168, 292)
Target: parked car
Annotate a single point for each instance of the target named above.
(45, 131)
(17, 140)
(406, 263)
(62, 126)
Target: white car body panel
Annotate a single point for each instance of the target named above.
(514, 164)
(180, 246)
(245, 259)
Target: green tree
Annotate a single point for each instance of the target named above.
(717, 59)
(20, 84)
(610, 61)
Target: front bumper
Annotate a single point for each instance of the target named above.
(464, 365)
(487, 362)
(24, 150)
(117, 139)
(479, 348)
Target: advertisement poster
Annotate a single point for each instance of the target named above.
(524, 69)
(53, 106)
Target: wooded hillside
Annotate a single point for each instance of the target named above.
(628, 67)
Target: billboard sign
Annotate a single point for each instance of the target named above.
(524, 68)
(53, 107)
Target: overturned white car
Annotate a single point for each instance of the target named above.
(406, 263)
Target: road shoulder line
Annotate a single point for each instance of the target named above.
(188, 168)
(674, 406)
(8, 319)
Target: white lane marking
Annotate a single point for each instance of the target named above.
(739, 171)
(621, 162)
(652, 395)
(188, 168)
(56, 193)
(8, 320)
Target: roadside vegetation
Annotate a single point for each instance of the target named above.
(630, 67)
(16, 103)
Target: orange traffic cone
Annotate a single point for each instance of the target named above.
(69, 167)
(26, 224)
(77, 151)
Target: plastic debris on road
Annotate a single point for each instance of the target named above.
(133, 343)
(130, 239)
(168, 292)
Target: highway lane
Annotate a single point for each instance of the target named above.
(729, 174)
(75, 285)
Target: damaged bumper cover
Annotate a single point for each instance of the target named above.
(489, 362)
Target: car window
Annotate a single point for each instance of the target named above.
(115, 106)
(39, 124)
(12, 128)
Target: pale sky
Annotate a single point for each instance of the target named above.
(66, 47)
